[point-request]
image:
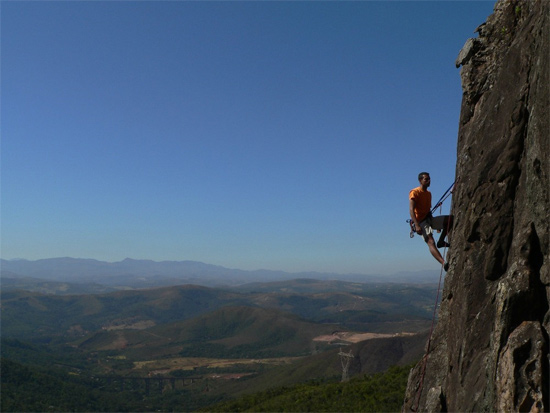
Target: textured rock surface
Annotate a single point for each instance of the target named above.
(490, 348)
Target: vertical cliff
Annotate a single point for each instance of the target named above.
(490, 348)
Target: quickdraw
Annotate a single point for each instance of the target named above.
(413, 227)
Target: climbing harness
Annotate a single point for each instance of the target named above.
(439, 203)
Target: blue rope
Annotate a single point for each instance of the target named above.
(447, 193)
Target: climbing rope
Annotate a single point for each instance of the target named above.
(425, 359)
(428, 345)
(446, 195)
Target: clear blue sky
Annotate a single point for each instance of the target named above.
(250, 134)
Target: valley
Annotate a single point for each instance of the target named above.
(221, 342)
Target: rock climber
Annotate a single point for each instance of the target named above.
(420, 205)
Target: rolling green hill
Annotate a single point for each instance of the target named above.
(230, 332)
(376, 308)
(15, 282)
(40, 316)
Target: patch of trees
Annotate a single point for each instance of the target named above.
(381, 392)
(29, 389)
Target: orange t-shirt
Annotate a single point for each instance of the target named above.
(422, 202)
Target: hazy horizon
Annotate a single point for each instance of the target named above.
(274, 270)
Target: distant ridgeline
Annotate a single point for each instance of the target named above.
(490, 349)
(78, 276)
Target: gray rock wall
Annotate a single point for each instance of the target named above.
(490, 348)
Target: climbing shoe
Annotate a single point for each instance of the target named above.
(441, 244)
(446, 266)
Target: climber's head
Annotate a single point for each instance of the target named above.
(424, 179)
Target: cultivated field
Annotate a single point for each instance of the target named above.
(163, 366)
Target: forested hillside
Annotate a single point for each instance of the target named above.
(381, 392)
(47, 389)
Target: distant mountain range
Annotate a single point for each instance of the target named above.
(101, 276)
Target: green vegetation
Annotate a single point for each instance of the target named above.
(132, 350)
(36, 389)
(382, 392)
(50, 318)
(26, 388)
(31, 389)
(53, 319)
(230, 332)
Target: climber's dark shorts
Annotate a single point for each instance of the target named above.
(433, 223)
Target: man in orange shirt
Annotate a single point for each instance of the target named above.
(420, 205)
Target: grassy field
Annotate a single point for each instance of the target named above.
(192, 363)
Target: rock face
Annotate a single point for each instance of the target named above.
(490, 348)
